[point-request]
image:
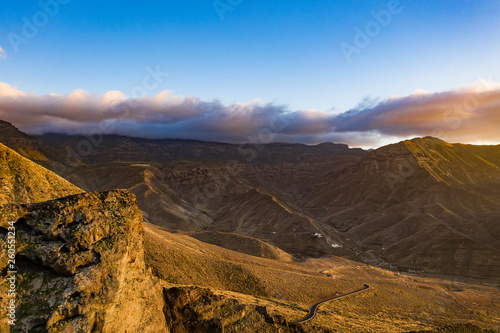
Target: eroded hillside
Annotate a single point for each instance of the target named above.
(23, 181)
(421, 204)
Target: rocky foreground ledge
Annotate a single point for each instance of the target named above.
(80, 267)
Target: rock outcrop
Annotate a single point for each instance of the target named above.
(80, 266)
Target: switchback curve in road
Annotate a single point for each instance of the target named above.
(314, 308)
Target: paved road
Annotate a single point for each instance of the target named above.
(314, 308)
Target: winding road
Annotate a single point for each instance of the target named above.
(314, 308)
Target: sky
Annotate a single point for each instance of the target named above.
(365, 73)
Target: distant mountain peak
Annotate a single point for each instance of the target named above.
(428, 140)
(454, 163)
(6, 126)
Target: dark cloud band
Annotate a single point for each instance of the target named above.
(464, 115)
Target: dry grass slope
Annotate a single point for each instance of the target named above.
(242, 244)
(23, 181)
(395, 303)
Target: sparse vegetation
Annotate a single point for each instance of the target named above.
(225, 267)
(396, 301)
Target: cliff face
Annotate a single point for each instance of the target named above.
(80, 266)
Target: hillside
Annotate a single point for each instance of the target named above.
(259, 214)
(419, 205)
(33, 149)
(395, 303)
(160, 204)
(23, 181)
(422, 204)
(242, 244)
(27, 145)
(214, 259)
(184, 184)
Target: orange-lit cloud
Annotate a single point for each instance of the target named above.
(2, 53)
(468, 114)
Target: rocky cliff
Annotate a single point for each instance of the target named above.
(80, 267)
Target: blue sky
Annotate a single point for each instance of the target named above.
(284, 52)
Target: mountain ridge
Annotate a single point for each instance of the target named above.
(421, 207)
(379, 207)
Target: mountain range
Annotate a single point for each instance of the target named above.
(265, 228)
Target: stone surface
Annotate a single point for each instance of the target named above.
(80, 263)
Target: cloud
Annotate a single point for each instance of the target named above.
(2, 53)
(467, 114)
